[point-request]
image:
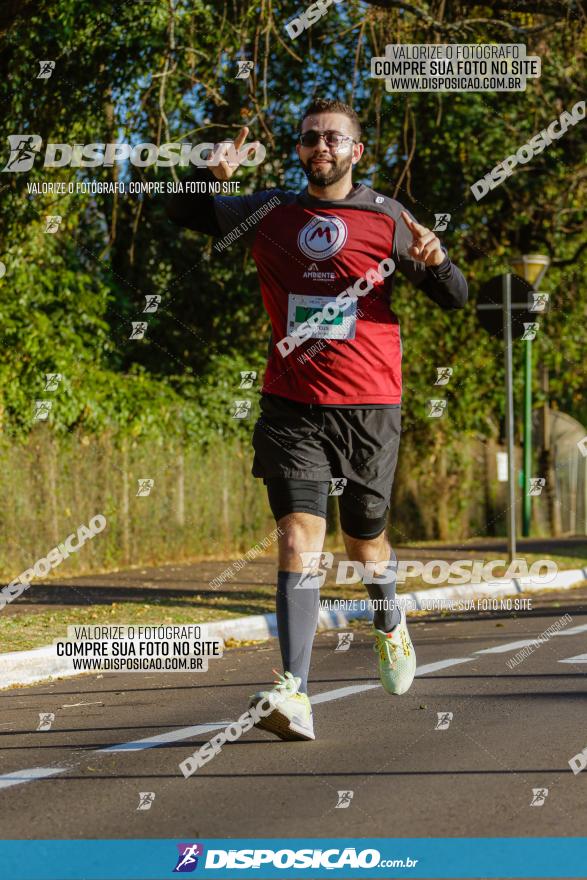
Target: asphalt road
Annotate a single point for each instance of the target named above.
(513, 730)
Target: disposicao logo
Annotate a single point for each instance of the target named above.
(24, 149)
(187, 860)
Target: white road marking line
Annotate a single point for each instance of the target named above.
(326, 697)
(339, 693)
(73, 705)
(513, 646)
(442, 664)
(20, 776)
(573, 631)
(187, 732)
(162, 738)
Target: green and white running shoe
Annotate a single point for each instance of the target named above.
(397, 658)
(283, 710)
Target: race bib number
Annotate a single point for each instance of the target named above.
(300, 308)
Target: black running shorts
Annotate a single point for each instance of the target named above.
(307, 443)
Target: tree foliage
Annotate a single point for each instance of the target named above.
(166, 71)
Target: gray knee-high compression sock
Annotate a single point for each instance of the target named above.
(297, 618)
(386, 614)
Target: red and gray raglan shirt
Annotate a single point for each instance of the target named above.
(308, 250)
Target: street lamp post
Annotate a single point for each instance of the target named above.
(532, 268)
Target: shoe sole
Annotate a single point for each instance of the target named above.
(281, 726)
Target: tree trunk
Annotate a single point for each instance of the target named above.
(180, 507)
(125, 506)
(442, 527)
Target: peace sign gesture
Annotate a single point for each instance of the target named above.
(425, 245)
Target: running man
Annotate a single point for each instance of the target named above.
(331, 396)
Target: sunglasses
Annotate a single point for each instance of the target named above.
(312, 137)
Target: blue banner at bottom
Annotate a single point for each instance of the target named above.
(265, 858)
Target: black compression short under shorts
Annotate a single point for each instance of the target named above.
(304, 452)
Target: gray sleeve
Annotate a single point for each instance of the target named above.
(239, 216)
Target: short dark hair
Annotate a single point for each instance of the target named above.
(325, 105)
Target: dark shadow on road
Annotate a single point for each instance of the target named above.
(321, 773)
(580, 608)
(239, 684)
(61, 594)
(575, 546)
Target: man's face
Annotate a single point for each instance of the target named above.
(324, 164)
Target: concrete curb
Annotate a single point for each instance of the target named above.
(41, 664)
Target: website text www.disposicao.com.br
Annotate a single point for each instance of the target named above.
(332, 858)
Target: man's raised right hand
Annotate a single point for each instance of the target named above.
(230, 154)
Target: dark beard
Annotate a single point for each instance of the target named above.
(323, 177)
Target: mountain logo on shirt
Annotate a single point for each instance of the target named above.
(322, 237)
